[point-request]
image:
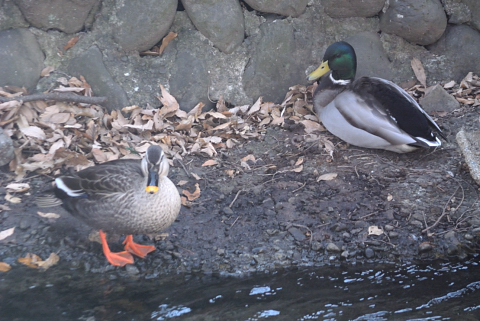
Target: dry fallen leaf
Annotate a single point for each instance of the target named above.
(47, 71)
(298, 169)
(210, 162)
(12, 199)
(4, 267)
(185, 202)
(18, 187)
(182, 182)
(30, 260)
(230, 172)
(34, 261)
(49, 262)
(419, 71)
(375, 230)
(196, 176)
(327, 177)
(48, 215)
(192, 196)
(71, 43)
(389, 198)
(166, 40)
(6, 233)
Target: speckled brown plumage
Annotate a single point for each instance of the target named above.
(112, 196)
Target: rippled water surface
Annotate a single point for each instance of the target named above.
(438, 291)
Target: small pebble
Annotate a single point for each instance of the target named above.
(131, 269)
(369, 253)
(317, 246)
(389, 228)
(425, 247)
(469, 237)
(332, 247)
(393, 234)
(227, 211)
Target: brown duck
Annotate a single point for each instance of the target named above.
(124, 196)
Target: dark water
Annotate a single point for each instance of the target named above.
(437, 291)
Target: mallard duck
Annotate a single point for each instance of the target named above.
(124, 196)
(368, 112)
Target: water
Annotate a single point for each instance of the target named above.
(437, 291)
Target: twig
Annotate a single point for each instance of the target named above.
(58, 97)
(235, 221)
(296, 190)
(443, 212)
(236, 196)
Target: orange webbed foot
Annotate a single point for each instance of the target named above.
(118, 258)
(137, 249)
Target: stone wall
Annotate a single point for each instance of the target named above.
(236, 49)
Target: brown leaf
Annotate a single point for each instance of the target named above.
(165, 41)
(210, 162)
(30, 260)
(196, 176)
(185, 202)
(255, 107)
(71, 43)
(419, 71)
(4, 267)
(47, 71)
(49, 262)
(298, 169)
(34, 261)
(170, 104)
(327, 177)
(192, 196)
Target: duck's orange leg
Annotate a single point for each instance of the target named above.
(118, 258)
(137, 249)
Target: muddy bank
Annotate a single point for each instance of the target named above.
(276, 210)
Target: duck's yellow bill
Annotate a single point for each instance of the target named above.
(320, 71)
(152, 189)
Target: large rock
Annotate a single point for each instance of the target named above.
(139, 25)
(348, 8)
(469, 142)
(220, 21)
(66, 15)
(6, 148)
(21, 58)
(292, 8)
(372, 60)
(10, 16)
(189, 81)
(437, 99)
(474, 8)
(457, 11)
(275, 64)
(460, 46)
(419, 21)
(90, 65)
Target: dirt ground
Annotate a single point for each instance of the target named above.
(279, 210)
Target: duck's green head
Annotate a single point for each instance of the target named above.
(340, 58)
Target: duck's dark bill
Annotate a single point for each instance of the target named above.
(152, 186)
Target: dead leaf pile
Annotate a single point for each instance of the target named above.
(36, 262)
(49, 135)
